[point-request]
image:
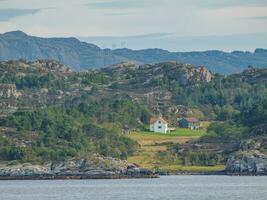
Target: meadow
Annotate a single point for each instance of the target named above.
(153, 152)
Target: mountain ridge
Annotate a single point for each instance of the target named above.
(80, 55)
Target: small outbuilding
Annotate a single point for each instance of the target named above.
(191, 123)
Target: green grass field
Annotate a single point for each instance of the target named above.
(178, 132)
(154, 143)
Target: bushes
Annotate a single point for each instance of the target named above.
(56, 154)
(35, 81)
(255, 118)
(251, 122)
(202, 159)
(94, 78)
(117, 109)
(12, 153)
(224, 132)
(109, 143)
(62, 133)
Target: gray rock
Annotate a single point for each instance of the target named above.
(94, 165)
(247, 162)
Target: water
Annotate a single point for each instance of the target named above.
(165, 188)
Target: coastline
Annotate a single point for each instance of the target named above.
(78, 177)
(122, 176)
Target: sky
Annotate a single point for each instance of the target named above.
(175, 25)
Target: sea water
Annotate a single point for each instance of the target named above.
(164, 188)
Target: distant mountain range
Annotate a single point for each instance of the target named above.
(81, 56)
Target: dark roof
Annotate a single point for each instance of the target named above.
(192, 120)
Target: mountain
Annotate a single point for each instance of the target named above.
(80, 55)
(69, 51)
(216, 61)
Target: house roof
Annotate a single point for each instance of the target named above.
(154, 119)
(192, 120)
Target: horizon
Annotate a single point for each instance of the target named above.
(98, 43)
(173, 25)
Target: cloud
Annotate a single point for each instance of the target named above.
(128, 4)
(225, 3)
(257, 18)
(152, 35)
(122, 4)
(172, 42)
(10, 13)
(121, 14)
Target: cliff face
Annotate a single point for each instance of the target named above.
(8, 96)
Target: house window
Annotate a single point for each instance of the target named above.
(159, 127)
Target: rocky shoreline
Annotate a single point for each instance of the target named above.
(95, 167)
(79, 176)
(139, 174)
(31, 173)
(242, 163)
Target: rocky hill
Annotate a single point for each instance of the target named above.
(167, 86)
(80, 55)
(62, 116)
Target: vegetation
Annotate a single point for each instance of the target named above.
(59, 133)
(63, 114)
(155, 152)
(251, 122)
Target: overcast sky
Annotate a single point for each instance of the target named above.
(176, 25)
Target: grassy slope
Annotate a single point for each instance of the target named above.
(154, 143)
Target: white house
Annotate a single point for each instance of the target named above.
(158, 125)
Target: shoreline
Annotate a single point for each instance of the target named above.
(123, 176)
(78, 177)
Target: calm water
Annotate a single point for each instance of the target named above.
(165, 188)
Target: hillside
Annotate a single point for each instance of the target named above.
(52, 113)
(169, 87)
(81, 56)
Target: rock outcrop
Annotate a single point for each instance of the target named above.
(185, 74)
(93, 167)
(51, 66)
(8, 91)
(254, 75)
(8, 96)
(247, 163)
